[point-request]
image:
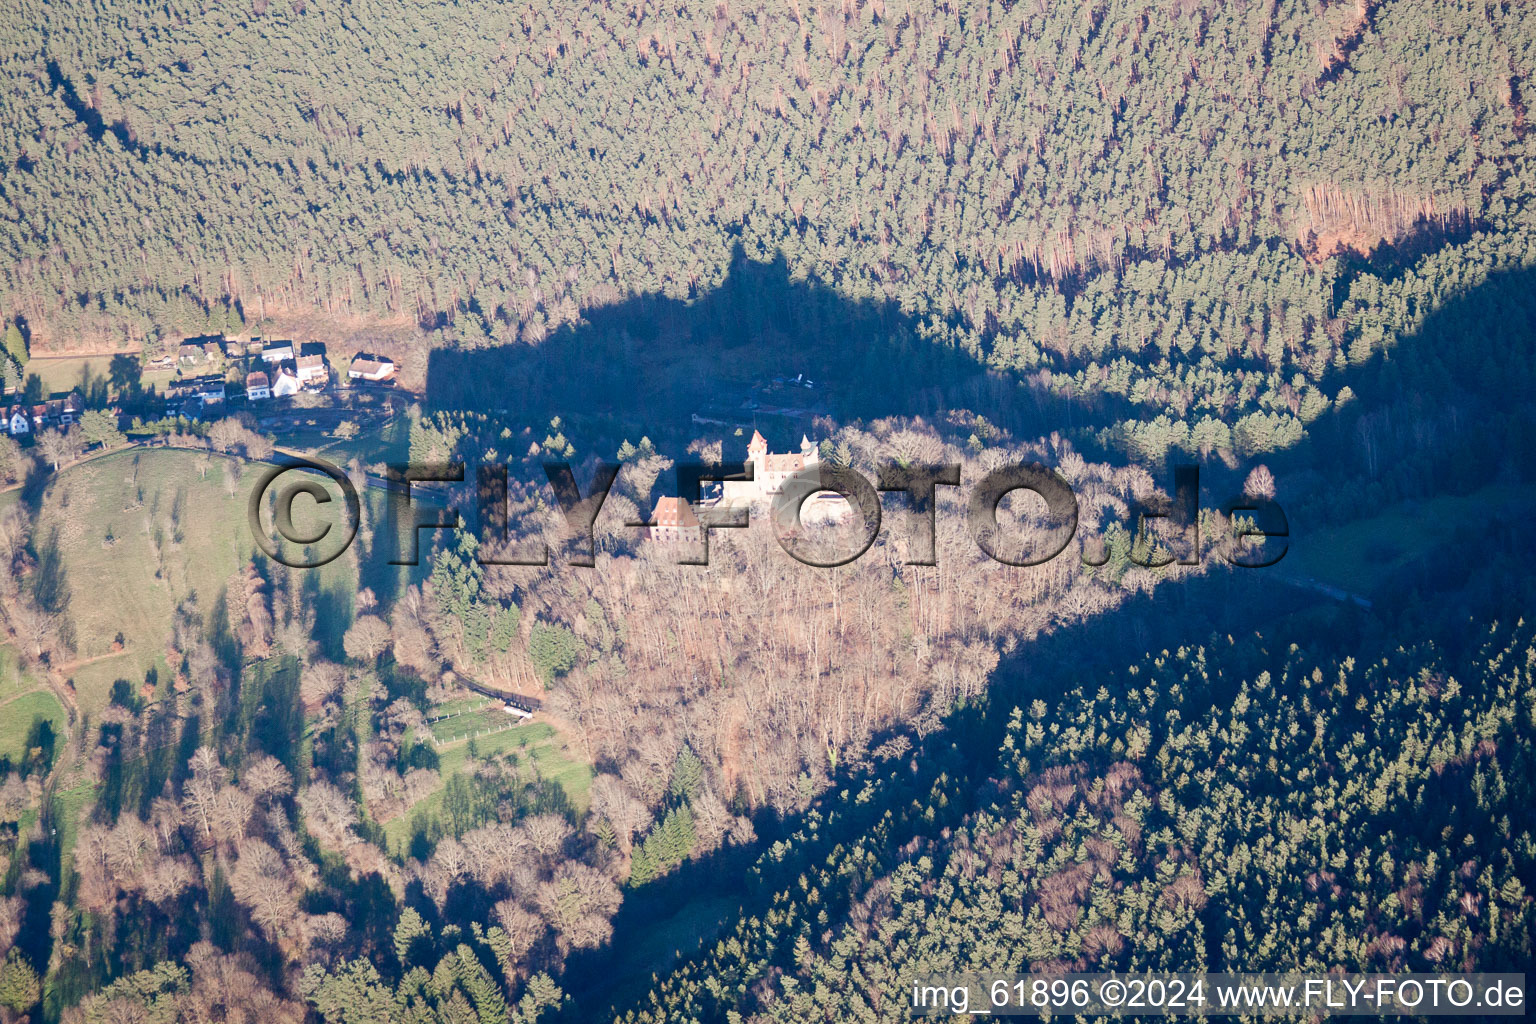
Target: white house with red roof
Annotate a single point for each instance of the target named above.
(673, 522)
(257, 386)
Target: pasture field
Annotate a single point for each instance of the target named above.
(142, 531)
(481, 717)
(14, 679)
(17, 716)
(64, 374)
(378, 442)
(71, 806)
(534, 740)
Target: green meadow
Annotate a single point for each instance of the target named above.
(142, 531)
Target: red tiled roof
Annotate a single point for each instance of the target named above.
(674, 512)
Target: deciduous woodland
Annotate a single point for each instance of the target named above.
(1288, 240)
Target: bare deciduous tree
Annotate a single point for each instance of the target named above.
(59, 446)
(260, 882)
(368, 638)
(578, 903)
(625, 814)
(1260, 483)
(267, 780)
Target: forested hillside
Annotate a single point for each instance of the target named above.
(1223, 808)
(1293, 241)
(1166, 202)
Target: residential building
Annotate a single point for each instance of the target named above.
(375, 369)
(207, 389)
(18, 421)
(257, 386)
(312, 371)
(285, 383)
(673, 522)
(277, 352)
(65, 409)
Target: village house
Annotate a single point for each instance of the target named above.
(207, 389)
(371, 368)
(190, 353)
(17, 421)
(64, 410)
(285, 383)
(257, 386)
(673, 522)
(312, 371)
(277, 352)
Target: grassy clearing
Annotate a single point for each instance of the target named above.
(72, 372)
(71, 806)
(537, 741)
(64, 374)
(1363, 556)
(157, 379)
(141, 531)
(474, 702)
(380, 443)
(469, 723)
(14, 679)
(17, 716)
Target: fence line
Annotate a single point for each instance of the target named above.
(436, 743)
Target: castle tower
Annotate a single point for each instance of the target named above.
(808, 451)
(757, 452)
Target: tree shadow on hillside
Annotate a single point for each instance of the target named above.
(1448, 411)
(676, 370)
(961, 757)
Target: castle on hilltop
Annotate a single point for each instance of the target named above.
(674, 522)
(770, 469)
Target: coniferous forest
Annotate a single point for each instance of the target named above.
(1167, 203)
(1289, 242)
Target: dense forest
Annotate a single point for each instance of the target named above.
(1290, 241)
(1171, 204)
(1213, 808)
